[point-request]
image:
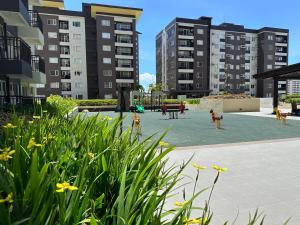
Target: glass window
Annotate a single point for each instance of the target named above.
(53, 60)
(63, 37)
(52, 35)
(77, 36)
(106, 48)
(77, 73)
(51, 21)
(269, 67)
(65, 50)
(107, 73)
(199, 53)
(108, 96)
(54, 85)
(65, 62)
(200, 31)
(52, 47)
(105, 35)
(199, 42)
(107, 84)
(66, 86)
(65, 74)
(54, 72)
(107, 60)
(64, 25)
(105, 23)
(78, 85)
(77, 60)
(76, 24)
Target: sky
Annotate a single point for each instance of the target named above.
(252, 14)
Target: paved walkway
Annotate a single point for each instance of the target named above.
(262, 175)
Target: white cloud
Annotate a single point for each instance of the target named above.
(146, 79)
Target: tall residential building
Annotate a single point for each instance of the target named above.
(21, 69)
(64, 51)
(195, 58)
(111, 48)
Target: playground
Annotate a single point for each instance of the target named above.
(196, 128)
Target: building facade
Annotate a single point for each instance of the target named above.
(64, 52)
(112, 49)
(195, 58)
(21, 69)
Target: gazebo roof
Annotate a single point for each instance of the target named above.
(291, 72)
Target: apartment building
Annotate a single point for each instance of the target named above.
(195, 58)
(21, 69)
(64, 51)
(111, 48)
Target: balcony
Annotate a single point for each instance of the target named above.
(123, 26)
(281, 39)
(34, 33)
(15, 12)
(38, 70)
(186, 31)
(124, 75)
(15, 58)
(185, 77)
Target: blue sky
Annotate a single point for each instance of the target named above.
(253, 14)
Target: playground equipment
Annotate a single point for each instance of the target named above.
(153, 101)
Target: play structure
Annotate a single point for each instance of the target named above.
(140, 100)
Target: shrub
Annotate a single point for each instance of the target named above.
(96, 102)
(61, 106)
(193, 101)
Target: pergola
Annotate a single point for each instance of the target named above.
(291, 72)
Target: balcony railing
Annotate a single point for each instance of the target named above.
(37, 64)
(35, 20)
(14, 48)
(21, 100)
(189, 77)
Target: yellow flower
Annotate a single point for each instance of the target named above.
(163, 144)
(30, 122)
(5, 154)
(33, 144)
(8, 199)
(36, 117)
(198, 167)
(219, 169)
(180, 204)
(65, 185)
(91, 155)
(107, 118)
(195, 221)
(48, 138)
(9, 125)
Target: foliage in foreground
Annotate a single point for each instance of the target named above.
(55, 171)
(59, 105)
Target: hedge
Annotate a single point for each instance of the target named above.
(96, 102)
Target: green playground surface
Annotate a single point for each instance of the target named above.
(196, 128)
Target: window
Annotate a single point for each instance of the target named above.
(199, 53)
(107, 84)
(107, 60)
(77, 36)
(247, 67)
(124, 63)
(123, 26)
(238, 57)
(78, 85)
(66, 86)
(123, 51)
(105, 35)
(108, 96)
(237, 77)
(231, 67)
(199, 64)
(65, 74)
(199, 42)
(52, 35)
(105, 23)
(107, 73)
(53, 60)
(65, 50)
(122, 38)
(65, 62)
(76, 24)
(106, 48)
(78, 61)
(54, 72)
(200, 31)
(77, 73)
(54, 85)
(64, 25)
(52, 47)
(238, 38)
(237, 67)
(51, 22)
(270, 57)
(269, 67)
(63, 37)
(270, 37)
